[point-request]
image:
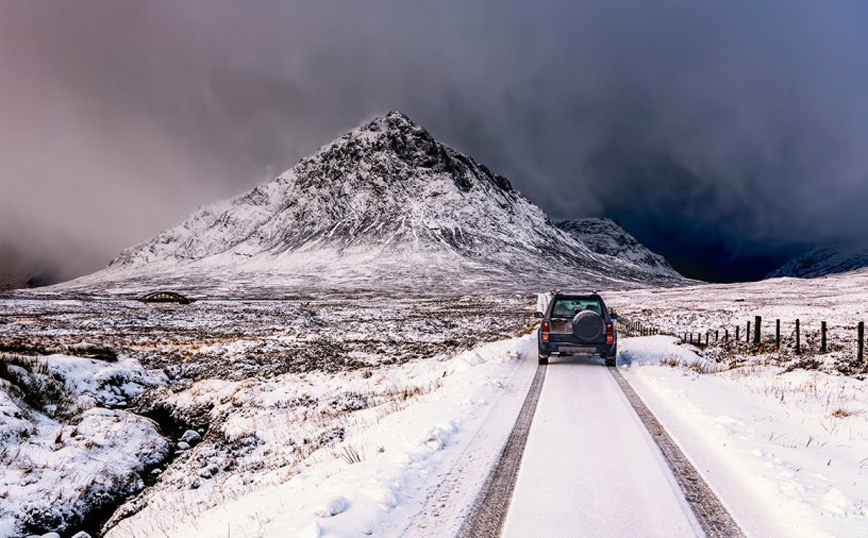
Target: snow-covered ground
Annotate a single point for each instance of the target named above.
(840, 300)
(787, 452)
(590, 468)
(338, 416)
(210, 402)
(68, 452)
(390, 460)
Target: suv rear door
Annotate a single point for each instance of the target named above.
(564, 307)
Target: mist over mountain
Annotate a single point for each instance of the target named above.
(18, 271)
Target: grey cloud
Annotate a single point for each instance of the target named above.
(736, 128)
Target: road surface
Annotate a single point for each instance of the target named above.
(590, 468)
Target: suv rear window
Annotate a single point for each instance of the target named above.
(567, 307)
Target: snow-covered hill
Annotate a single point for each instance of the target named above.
(604, 236)
(823, 261)
(384, 207)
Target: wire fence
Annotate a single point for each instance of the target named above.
(793, 336)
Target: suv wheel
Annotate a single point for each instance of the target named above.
(610, 361)
(543, 359)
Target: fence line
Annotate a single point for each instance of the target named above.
(755, 337)
(642, 329)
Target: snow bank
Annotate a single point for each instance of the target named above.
(785, 451)
(69, 459)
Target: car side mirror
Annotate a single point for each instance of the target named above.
(538, 315)
(613, 315)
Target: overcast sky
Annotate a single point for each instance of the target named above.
(725, 135)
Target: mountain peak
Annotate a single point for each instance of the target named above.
(386, 198)
(392, 148)
(393, 124)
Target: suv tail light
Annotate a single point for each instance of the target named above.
(545, 331)
(610, 333)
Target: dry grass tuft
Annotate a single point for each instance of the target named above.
(671, 361)
(529, 329)
(701, 367)
(843, 412)
(351, 454)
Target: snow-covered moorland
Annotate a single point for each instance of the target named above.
(205, 403)
(840, 300)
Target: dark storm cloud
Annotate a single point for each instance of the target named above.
(724, 135)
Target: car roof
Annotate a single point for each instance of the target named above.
(577, 293)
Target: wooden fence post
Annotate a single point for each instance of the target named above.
(747, 334)
(716, 336)
(823, 337)
(798, 338)
(861, 344)
(726, 335)
(778, 333)
(737, 337)
(757, 332)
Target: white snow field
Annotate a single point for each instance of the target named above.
(841, 300)
(786, 452)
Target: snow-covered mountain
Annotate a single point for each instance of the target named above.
(385, 206)
(823, 261)
(604, 236)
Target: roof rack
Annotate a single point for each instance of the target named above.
(575, 292)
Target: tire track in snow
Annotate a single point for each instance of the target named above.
(713, 517)
(489, 510)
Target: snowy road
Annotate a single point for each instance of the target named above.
(590, 468)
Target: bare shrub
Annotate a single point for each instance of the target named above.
(529, 329)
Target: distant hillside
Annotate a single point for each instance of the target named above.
(823, 261)
(604, 236)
